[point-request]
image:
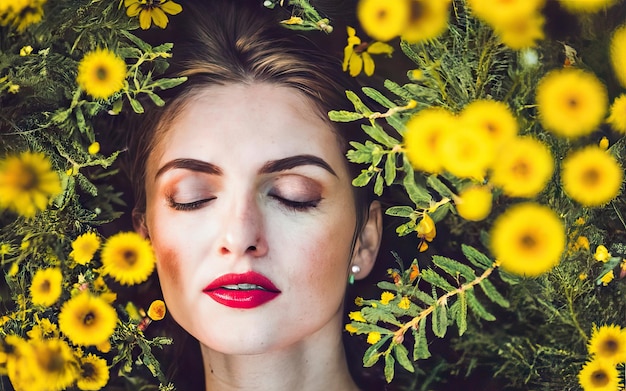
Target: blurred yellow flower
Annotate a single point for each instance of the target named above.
(617, 116)
(84, 247)
(607, 278)
(608, 343)
(582, 243)
(93, 148)
(618, 54)
(386, 297)
(528, 239)
(21, 13)
(357, 55)
(604, 143)
(373, 337)
(45, 288)
(586, 6)
(493, 116)
(26, 50)
(128, 258)
(27, 183)
(496, 12)
(94, 373)
(156, 311)
(101, 73)
(383, 19)
(404, 303)
(467, 153)
(424, 135)
(524, 167)
(598, 375)
(591, 176)
(571, 102)
(152, 11)
(427, 20)
(87, 320)
(521, 32)
(602, 254)
(55, 366)
(474, 203)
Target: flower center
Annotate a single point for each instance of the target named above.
(599, 378)
(528, 242)
(45, 286)
(88, 370)
(610, 346)
(521, 169)
(28, 180)
(53, 363)
(102, 73)
(89, 319)
(130, 257)
(572, 103)
(591, 177)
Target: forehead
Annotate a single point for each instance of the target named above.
(258, 122)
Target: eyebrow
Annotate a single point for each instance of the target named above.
(269, 167)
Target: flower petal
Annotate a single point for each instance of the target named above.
(171, 8)
(356, 64)
(133, 10)
(145, 19)
(368, 63)
(159, 18)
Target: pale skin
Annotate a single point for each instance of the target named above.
(267, 190)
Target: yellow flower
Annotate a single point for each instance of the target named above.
(356, 316)
(13, 88)
(404, 303)
(427, 20)
(591, 176)
(156, 311)
(496, 12)
(521, 32)
(618, 54)
(26, 50)
(598, 375)
(152, 11)
(424, 135)
(602, 254)
(586, 6)
(608, 343)
(358, 301)
(101, 73)
(21, 13)
(94, 373)
(94, 148)
(582, 243)
(27, 183)
(383, 19)
(607, 278)
(373, 337)
(493, 116)
(386, 297)
(128, 258)
(474, 203)
(87, 320)
(582, 276)
(351, 329)
(604, 143)
(571, 102)
(54, 365)
(357, 55)
(467, 153)
(617, 116)
(84, 247)
(43, 329)
(528, 239)
(45, 289)
(426, 228)
(524, 167)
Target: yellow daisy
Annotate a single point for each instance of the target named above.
(493, 116)
(357, 316)
(87, 320)
(608, 343)
(156, 311)
(94, 373)
(524, 167)
(602, 254)
(152, 11)
(591, 176)
(21, 360)
(54, 363)
(358, 56)
(84, 247)
(617, 116)
(404, 303)
(101, 73)
(521, 32)
(27, 183)
(618, 54)
(474, 203)
(598, 375)
(128, 258)
(21, 13)
(496, 12)
(45, 289)
(586, 6)
(373, 337)
(386, 297)
(383, 19)
(571, 102)
(427, 20)
(467, 153)
(424, 135)
(528, 239)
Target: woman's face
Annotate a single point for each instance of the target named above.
(251, 214)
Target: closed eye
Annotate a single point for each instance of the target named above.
(186, 206)
(296, 205)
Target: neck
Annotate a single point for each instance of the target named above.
(317, 363)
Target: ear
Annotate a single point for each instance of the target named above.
(139, 223)
(368, 241)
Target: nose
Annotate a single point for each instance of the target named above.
(243, 232)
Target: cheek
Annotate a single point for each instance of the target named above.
(168, 267)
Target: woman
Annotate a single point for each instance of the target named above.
(245, 192)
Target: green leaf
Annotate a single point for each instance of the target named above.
(477, 258)
(378, 97)
(371, 355)
(344, 116)
(378, 185)
(420, 347)
(169, 82)
(389, 367)
(423, 297)
(435, 183)
(478, 308)
(375, 315)
(492, 293)
(137, 107)
(461, 316)
(439, 320)
(397, 123)
(138, 42)
(156, 99)
(80, 120)
(390, 169)
(388, 286)
(363, 179)
(377, 132)
(435, 279)
(402, 355)
(358, 104)
(399, 211)
(362, 153)
(453, 267)
(418, 195)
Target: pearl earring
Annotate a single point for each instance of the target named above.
(355, 269)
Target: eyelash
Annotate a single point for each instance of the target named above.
(293, 205)
(188, 205)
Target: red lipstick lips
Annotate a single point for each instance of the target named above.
(247, 290)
